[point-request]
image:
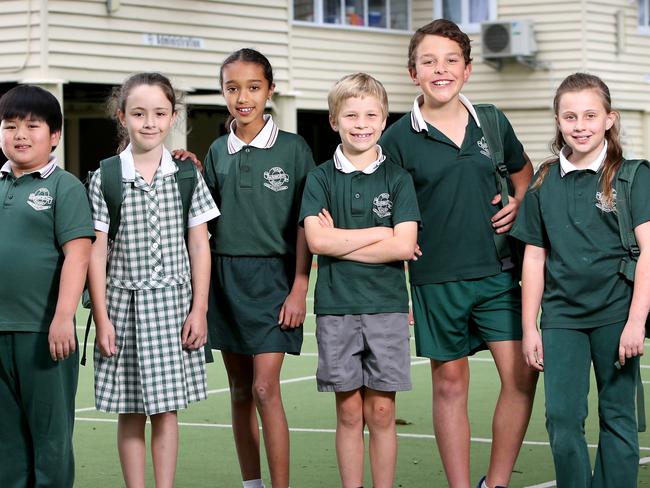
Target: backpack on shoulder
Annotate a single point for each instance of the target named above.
(509, 250)
(111, 184)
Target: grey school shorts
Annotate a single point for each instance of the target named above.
(370, 350)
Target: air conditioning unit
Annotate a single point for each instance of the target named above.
(508, 39)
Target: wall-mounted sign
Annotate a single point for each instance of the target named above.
(167, 40)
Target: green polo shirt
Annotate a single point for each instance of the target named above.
(258, 191)
(39, 214)
(565, 215)
(358, 200)
(454, 187)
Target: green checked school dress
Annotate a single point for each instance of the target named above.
(149, 294)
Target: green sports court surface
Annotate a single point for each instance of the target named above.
(207, 454)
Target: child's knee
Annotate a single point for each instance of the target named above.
(265, 392)
(380, 414)
(350, 416)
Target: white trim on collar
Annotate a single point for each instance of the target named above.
(417, 120)
(264, 140)
(344, 165)
(43, 172)
(567, 166)
(167, 165)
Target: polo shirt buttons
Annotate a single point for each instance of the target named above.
(357, 195)
(11, 197)
(247, 150)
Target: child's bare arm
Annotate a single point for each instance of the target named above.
(330, 241)
(400, 246)
(532, 291)
(502, 220)
(195, 328)
(633, 336)
(105, 332)
(294, 308)
(61, 335)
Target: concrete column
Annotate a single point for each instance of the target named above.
(177, 136)
(285, 111)
(645, 137)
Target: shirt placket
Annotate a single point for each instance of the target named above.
(153, 226)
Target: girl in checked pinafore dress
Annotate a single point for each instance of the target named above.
(150, 303)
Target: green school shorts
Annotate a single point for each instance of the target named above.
(457, 318)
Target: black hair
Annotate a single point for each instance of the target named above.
(24, 101)
(248, 55)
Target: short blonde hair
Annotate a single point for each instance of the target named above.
(356, 85)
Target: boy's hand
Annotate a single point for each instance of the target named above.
(411, 318)
(294, 310)
(195, 331)
(183, 154)
(325, 219)
(531, 344)
(106, 338)
(631, 343)
(61, 338)
(502, 220)
(417, 252)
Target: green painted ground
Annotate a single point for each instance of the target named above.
(207, 454)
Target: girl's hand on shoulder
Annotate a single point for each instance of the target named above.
(183, 154)
(294, 310)
(503, 220)
(531, 345)
(105, 338)
(195, 331)
(631, 343)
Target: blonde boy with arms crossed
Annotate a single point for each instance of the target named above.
(361, 217)
(45, 248)
(463, 297)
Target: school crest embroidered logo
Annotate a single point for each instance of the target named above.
(40, 199)
(483, 146)
(382, 205)
(602, 204)
(276, 179)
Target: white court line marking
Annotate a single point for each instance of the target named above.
(550, 484)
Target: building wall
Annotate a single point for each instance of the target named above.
(20, 44)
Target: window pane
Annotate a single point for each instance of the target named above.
(303, 10)
(644, 13)
(399, 18)
(479, 11)
(354, 14)
(376, 13)
(332, 11)
(451, 10)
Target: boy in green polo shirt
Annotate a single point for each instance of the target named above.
(360, 216)
(463, 296)
(45, 247)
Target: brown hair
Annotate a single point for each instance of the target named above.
(356, 85)
(443, 28)
(117, 99)
(613, 159)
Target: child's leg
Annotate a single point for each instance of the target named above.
(164, 448)
(349, 437)
(567, 361)
(379, 412)
(513, 409)
(131, 446)
(266, 391)
(617, 459)
(244, 416)
(450, 420)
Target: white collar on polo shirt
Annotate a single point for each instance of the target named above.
(344, 165)
(417, 120)
(264, 140)
(167, 165)
(567, 166)
(43, 172)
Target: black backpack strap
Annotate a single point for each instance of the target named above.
(186, 180)
(88, 323)
(488, 117)
(624, 180)
(111, 171)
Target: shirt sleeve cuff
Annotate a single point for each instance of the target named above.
(213, 213)
(101, 226)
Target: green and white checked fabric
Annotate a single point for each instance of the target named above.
(149, 249)
(151, 372)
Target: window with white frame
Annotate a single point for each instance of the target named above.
(379, 14)
(644, 16)
(468, 14)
